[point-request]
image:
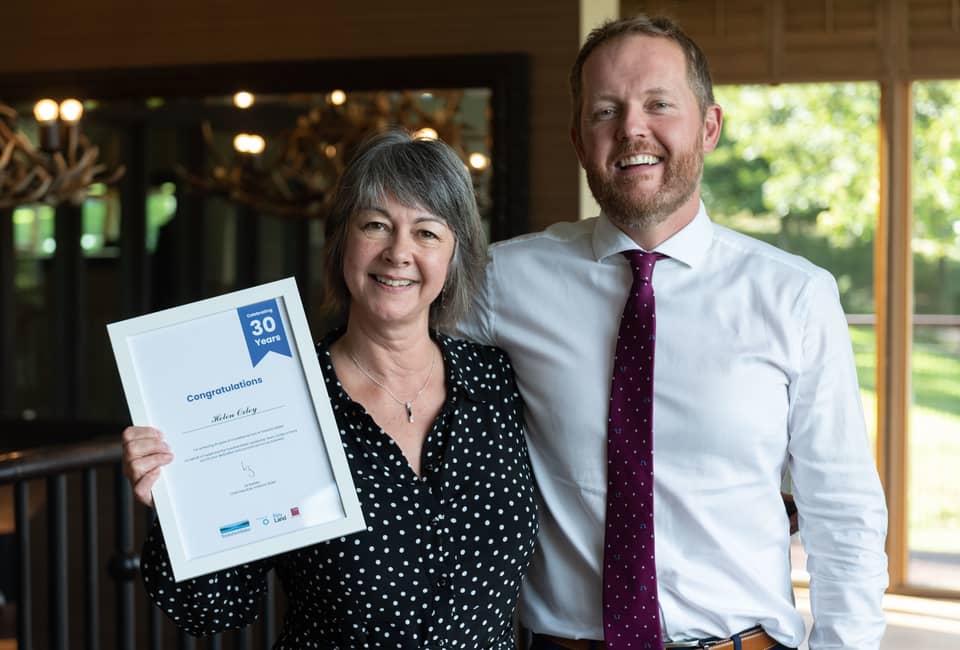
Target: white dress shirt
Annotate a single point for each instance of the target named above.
(753, 373)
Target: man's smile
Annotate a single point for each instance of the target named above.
(636, 160)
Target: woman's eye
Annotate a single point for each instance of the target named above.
(374, 226)
(429, 234)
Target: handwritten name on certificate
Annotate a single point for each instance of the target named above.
(234, 385)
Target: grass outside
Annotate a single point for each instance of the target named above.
(934, 493)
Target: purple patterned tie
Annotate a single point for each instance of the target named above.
(631, 613)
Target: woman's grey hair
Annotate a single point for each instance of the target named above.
(420, 173)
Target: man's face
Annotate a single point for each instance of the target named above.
(641, 136)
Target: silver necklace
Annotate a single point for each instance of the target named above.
(405, 404)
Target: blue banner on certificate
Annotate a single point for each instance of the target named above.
(258, 466)
(263, 330)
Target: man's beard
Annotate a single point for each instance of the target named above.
(681, 177)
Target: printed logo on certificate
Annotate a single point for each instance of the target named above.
(234, 384)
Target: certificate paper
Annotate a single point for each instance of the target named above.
(234, 384)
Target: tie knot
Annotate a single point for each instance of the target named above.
(642, 263)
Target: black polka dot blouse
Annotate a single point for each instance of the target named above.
(441, 560)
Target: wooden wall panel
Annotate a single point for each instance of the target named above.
(933, 15)
(935, 44)
(59, 34)
(819, 40)
(735, 34)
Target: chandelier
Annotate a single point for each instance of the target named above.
(296, 179)
(61, 169)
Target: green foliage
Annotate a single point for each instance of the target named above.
(936, 178)
(798, 166)
(934, 422)
(809, 153)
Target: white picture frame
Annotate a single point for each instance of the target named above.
(234, 384)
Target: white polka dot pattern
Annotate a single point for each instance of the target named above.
(631, 612)
(441, 560)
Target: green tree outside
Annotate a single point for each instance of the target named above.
(798, 166)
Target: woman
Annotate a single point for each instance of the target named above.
(431, 427)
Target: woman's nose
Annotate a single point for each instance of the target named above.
(399, 250)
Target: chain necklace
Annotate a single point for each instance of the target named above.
(405, 404)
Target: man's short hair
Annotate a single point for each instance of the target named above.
(698, 73)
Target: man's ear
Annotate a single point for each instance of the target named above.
(712, 125)
(577, 143)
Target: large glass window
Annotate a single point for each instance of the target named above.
(797, 166)
(933, 498)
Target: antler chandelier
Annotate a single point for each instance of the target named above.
(305, 166)
(52, 173)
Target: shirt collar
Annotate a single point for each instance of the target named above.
(688, 245)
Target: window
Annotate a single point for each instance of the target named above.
(933, 496)
(798, 167)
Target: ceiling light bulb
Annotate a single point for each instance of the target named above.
(46, 110)
(426, 133)
(241, 142)
(71, 110)
(338, 97)
(255, 144)
(243, 99)
(478, 161)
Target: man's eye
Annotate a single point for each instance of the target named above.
(603, 113)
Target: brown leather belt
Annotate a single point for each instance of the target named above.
(754, 639)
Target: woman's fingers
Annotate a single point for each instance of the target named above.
(143, 488)
(141, 442)
(144, 453)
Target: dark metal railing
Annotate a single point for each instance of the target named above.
(919, 320)
(73, 558)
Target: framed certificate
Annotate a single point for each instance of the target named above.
(234, 384)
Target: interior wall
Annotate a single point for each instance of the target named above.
(781, 41)
(60, 35)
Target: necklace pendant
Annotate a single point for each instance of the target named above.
(409, 407)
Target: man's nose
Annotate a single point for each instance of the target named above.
(634, 123)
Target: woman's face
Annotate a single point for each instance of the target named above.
(395, 263)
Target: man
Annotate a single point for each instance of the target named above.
(753, 374)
